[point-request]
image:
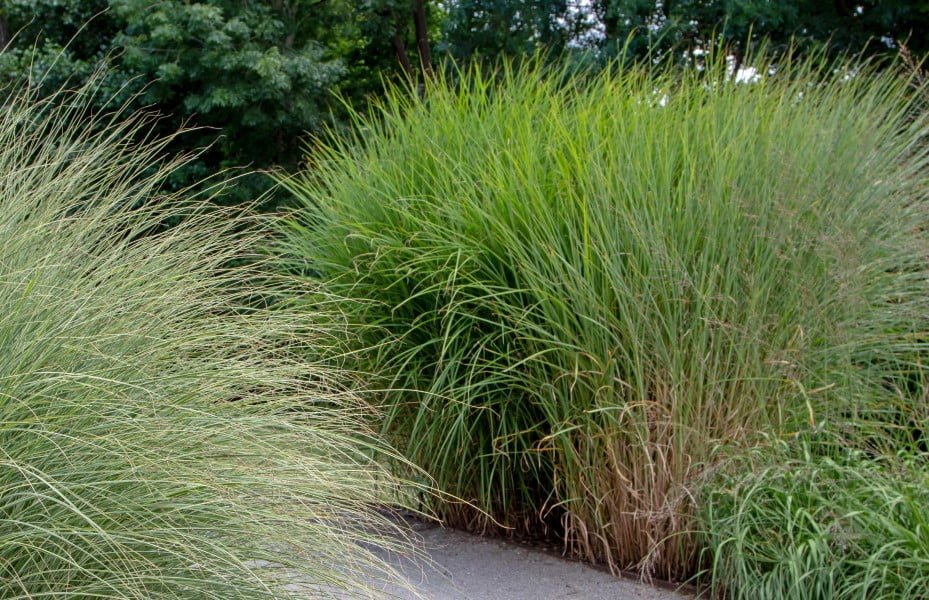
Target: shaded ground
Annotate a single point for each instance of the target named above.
(469, 567)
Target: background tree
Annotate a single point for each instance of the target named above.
(41, 41)
(488, 29)
(841, 25)
(256, 77)
(259, 73)
(399, 32)
(259, 76)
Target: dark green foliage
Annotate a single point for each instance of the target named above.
(843, 25)
(488, 29)
(262, 76)
(256, 76)
(398, 33)
(491, 29)
(259, 73)
(42, 29)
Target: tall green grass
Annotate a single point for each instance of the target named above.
(577, 287)
(161, 434)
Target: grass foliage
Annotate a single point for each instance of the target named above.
(802, 523)
(158, 439)
(577, 288)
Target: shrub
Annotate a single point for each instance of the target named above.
(804, 523)
(577, 287)
(159, 437)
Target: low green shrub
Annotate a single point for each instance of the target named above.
(576, 287)
(814, 524)
(161, 434)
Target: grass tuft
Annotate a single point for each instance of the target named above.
(576, 288)
(162, 435)
(801, 521)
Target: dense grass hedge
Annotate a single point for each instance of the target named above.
(161, 436)
(577, 289)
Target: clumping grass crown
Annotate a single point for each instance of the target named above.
(577, 288)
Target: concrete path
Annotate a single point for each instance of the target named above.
(468, 567)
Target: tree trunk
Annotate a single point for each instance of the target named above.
(4, 34)
(400, 49)
(422, 36)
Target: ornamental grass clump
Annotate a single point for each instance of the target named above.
(162, 434)
(576, 288)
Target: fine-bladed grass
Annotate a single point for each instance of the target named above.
(576, 288)
(163, 433)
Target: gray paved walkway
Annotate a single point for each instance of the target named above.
(468, 567)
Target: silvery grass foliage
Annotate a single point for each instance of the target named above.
(576, 288)
(159, 436)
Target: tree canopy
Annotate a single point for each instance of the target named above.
(254, 77)
(488, 29)
(840, 25)
(258, 76)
